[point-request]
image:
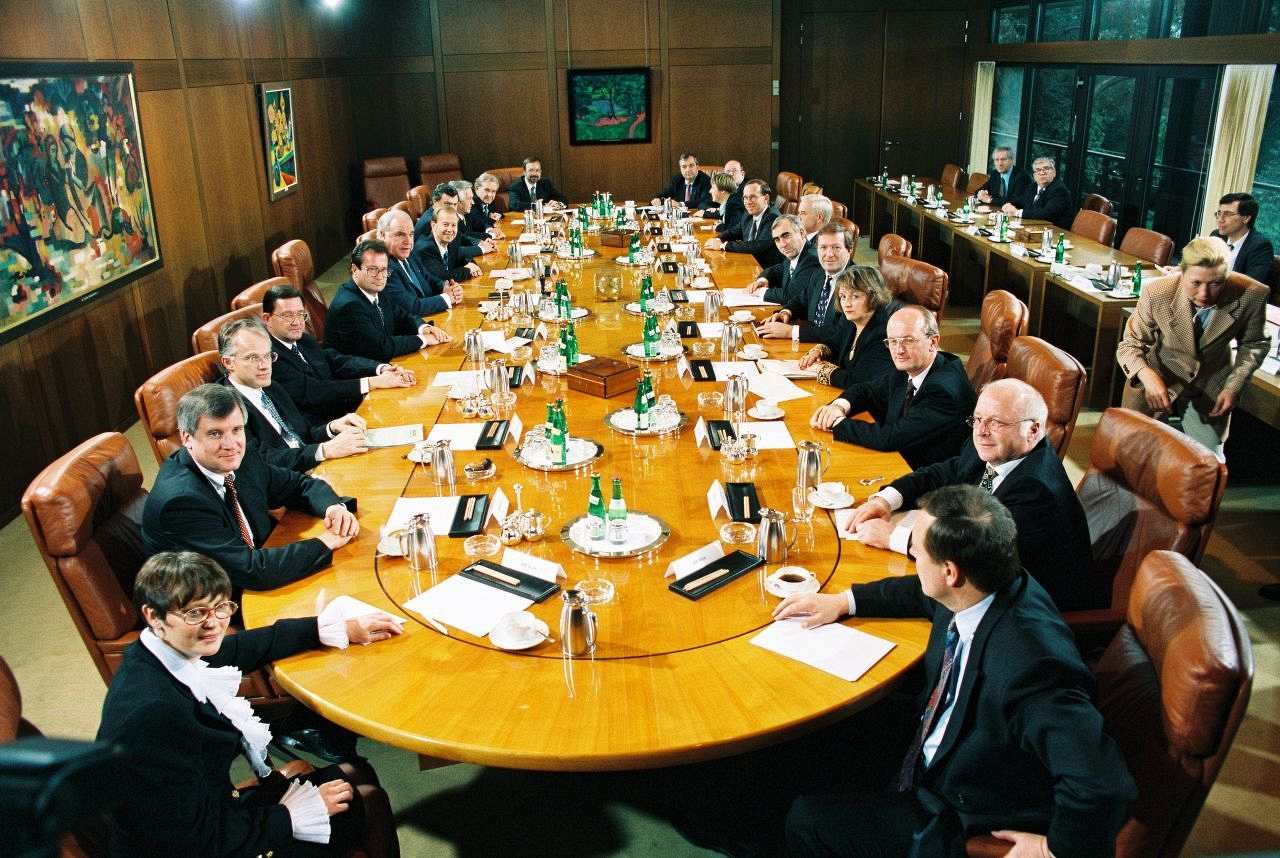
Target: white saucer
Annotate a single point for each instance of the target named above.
(775, 585)
(390, 546)
(742, 316)
(744, 356)
(513, 631)
(842, 502)
(753, 411)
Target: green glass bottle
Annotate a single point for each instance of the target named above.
(559, 435)
(1137, 280)
(564, 304)
(646, 293)
(616, 515)
(595, 509)
(1060, 250)
(651, 336)
(571, 346)
(650, 396)
(640, 405)
(562, 349)
(633, 249)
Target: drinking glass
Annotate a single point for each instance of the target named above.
(801, 505)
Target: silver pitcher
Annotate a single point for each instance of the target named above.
(711, 303)
(812, 461)
(496, 379)
(418, 545)
(577, 625)
(473, 346)
(735, 396)
(730, 341)
(772, 542)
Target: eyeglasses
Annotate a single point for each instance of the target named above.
(375, 272)
(994, 424)
(259, 360)
(304, 316)
(196, 616)
(901, 342)
(1042, 169)
(1221, 213)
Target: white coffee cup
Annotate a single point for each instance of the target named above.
(768, 408)
(830, 491)
(753, 350)
(1093, 268)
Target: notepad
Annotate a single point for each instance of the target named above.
(393, 436)
(743, 298)
(775, 387)
(468, 605)
(834, 648)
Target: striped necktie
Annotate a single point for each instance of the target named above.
(286, 431)
(938, 700)
(233, 501)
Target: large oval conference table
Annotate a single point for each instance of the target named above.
(671, 680)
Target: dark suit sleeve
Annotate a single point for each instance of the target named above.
(553, 194)
(893, 597)
(299, 492)
(733, 213)
(255, 648)
(868, 395)
(761, 243)
(921, 481)
(933, 414)
(1054, 205)
(518, 196)
(1260, 259)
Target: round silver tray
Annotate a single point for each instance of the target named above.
(658, 358)
(587, 252)
(644, 261)
(603, 547)
(680, 424)
(579, 313)
(573, 466)
(626, 308)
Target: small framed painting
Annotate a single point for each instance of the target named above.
(608, 106)
(279, 140)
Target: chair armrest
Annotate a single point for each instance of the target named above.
(986, 846)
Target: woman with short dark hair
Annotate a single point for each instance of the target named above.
(852, 348)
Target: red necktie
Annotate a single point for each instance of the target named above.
(233, 501)
(687, 189)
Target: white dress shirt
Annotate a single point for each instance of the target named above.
(967, 622)
(1233, 249)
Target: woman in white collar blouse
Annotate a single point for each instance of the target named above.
(174, 704)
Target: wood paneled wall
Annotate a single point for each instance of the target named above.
(486, 79)
(197, 63)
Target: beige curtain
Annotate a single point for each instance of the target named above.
(1237, 137)
(983, 87)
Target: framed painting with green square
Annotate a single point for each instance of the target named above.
(608, 106)
(279, 140)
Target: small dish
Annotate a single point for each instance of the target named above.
(742, 316)
(746, 355)
(710, 399)
(823, 502)
(755, 412)
(389, 544)
(481, 545)
(791, 581)
(738, 533)
(519, 630)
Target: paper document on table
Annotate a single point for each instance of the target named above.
(506, 346)
(770, 434)
(462, 376)
(743, 298)
(696, 297)
(710, 330)
(547, 570)
(468, 605)
(787, 368)
(898, 520)
(837, 649)
(393, 436)
(512, 273)
(461, 436)
(349, 608)
(440, 510)
(726, 368)
(774, 387)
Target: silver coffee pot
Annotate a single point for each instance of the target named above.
(577, 625)
(772, 542)
(812, 461)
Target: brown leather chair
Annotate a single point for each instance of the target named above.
(952, 177)
(157, 398)
(1095, 225)
(839, 209)
(367, 236)
(711, 169)
(255, 293)
(892, 244)
(1096, 203)
(916, 282)
(787, 192)
(1155, 247)
(205, 337)
(419, 197)
(293, 260)
(386, 180)
(1060, 378)
(849, 227)
(369, 220)
(434, 169)
(810, 188)
(1173, 687)
(505, 176)
(1003, 318)
(1148, 487)
(404, 206)
(975, 183)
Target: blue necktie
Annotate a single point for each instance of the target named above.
(823, 300)
(1004, 184)
(291, 438)
(408, 272)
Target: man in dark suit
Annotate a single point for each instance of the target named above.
(798, 257)
(690, 186)
(1009, 456)
(1009, 740)
(213, 498)
(1005, 183)
(323, 382)
(1248, 251)
(483, 218)
(752, 234)
(1046, 199)
(410, 287)
(357, 323)
(441, 254)
(480, 239)
(532, 186)
(809, 302)
(273, 421)
(815, 212)
(919, 409)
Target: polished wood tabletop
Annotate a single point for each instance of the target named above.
(671, 680)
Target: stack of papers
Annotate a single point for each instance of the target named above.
(393, 436)
(770, 434)
(787, 368)
(466, 604)
(839, 650)
(743, 298)
(774, 387)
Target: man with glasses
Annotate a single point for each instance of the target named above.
(1005, 183)
(323, 382)
(213, 497)
(272, 419)
(441, 254)
(1248, 251)
(752, 232)
(1046, 199)
(1009, 456)
(358, 324)
(531, 186)
(919, 408)
(798, 259)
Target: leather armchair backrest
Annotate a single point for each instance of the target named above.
(369, 220)
(1155, 247)
(506, 176)
(404, 206)
(711, 169)
(419, 198)
(1097, 203)
(1003, 318)
(839, 209)
(1095, 225)
(1148, 487)
(255, 293)
(788, 188)
(367, 236)
(1173, 687)
(157, 398)
(85, 515)
(293, 260)
(916, 282)
(1058, 376)
(205, 337)
(434, 169)
(10, 704)
(976, 181)
(952, 177)
(892, 244)
(849, 227)
(386, 180)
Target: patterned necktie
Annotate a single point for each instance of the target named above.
(233, 501)
(381, 318)
(297, 351)
(906, 400)
(290, 437)
(938, 700)
(823, 300)
(688, 192)
(1039, 191)
(413, 281)
(988, 483)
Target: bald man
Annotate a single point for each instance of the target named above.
(409, 286)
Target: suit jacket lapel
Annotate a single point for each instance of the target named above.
(1224, 316)
(207, 487)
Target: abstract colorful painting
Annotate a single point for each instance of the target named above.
(76, 215)
(277, 133)
(608, 106)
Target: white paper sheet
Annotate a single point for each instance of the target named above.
(349, 608)
(774, 387)
(695, 297)
(462, 376)
(770, 434)
(786, 368)
(512, 273)
(468, 605)
(393, 436)
(837, 649)
(461, 436)
(743, 298)
(726, 368)
(710, 330)
(547, 570)
(441, 511)
(498, 506)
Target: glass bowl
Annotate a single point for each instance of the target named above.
(481, 545)
(710, 399)
(738, 533)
